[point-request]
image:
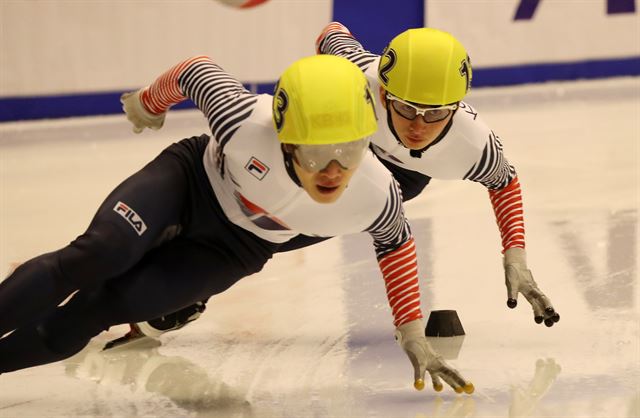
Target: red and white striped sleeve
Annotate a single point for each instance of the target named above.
(507, 206)
(400, 272)
(396, 253)
(165, 92)
(500, 178)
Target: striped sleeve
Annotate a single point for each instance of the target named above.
(336, 39)
(223, 99)
(165, 91)
(492, 170)
(396, 253)
(497, 175)
(507, 206)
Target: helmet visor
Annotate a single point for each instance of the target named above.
(315, 158)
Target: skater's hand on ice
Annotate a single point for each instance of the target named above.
(518, 279)
(411, 338)
(137, 114)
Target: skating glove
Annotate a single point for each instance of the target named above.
(518, 279)
(412, 339)
(137, 114)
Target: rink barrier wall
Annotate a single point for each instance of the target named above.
(373, 22)
(104, 103)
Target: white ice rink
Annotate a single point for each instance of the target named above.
(311, 335)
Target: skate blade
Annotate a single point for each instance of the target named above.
(140, 342)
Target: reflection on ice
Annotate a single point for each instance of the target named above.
(525, 399)
(142, 369)
(448, 347)
(460, 407)
(601, 250)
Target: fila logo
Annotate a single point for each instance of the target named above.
(256, 168)
(131, 216)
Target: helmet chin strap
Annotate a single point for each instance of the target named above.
(390, 122)
(288, 163)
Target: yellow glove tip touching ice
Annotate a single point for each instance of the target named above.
(411, 337)
(467, 388)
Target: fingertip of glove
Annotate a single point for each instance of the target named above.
(438, 387)
(512, 303)
(458, 389)
(538, 319)
(469, 388)
(418, 384)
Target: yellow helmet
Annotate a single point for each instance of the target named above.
(323, 99)
(426, 66)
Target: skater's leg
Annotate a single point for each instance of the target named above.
(113, 243)
(169, 278)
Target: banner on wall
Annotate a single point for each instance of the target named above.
(545, 39)
(85, 53)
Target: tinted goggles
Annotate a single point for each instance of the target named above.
(411, 111)
(315, 158)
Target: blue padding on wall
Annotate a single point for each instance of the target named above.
(536, 73)
(375, 22)
(46, 107)
(42, 107)
(17, 108)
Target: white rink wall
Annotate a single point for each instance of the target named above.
(69, 46)
(53, 47)
(66, 58)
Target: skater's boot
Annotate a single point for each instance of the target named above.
(159, 326)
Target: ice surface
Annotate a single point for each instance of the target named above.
(311, 335)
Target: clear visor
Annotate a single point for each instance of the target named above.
(314, 158)
(430, 114)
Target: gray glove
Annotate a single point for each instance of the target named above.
(412, 339)
(519, 280)
(137, 114)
